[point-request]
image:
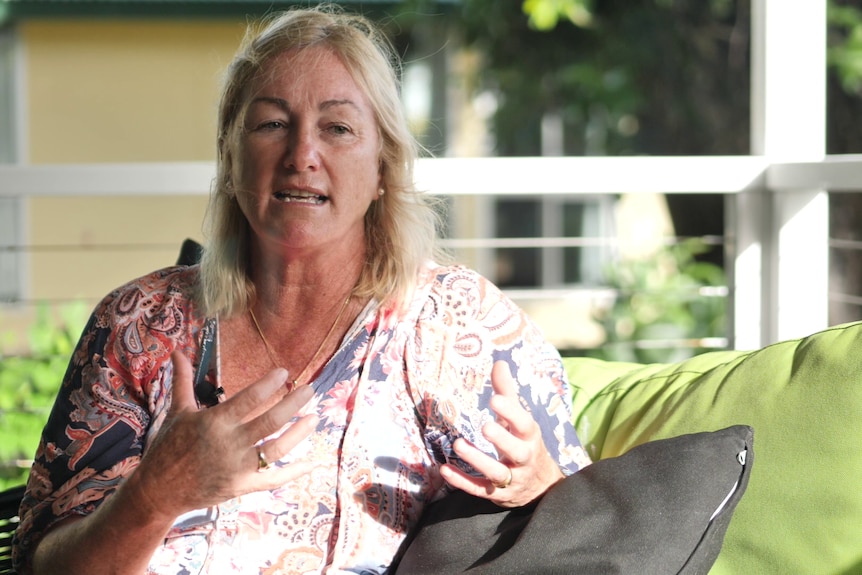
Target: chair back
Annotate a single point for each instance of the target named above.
(10, 500)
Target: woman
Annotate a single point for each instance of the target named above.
(348, 380)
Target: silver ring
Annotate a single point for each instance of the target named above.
(262, 463)
(504, 484)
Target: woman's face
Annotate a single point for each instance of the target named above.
(309, 162)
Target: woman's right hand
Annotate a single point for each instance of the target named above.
(198, 459)
(201, 458)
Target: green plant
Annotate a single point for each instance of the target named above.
(667, 306)
(28, 385)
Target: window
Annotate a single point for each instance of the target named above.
(8, 83)
(845, 257)
(575, 230)
(11, 232)
(10, 257)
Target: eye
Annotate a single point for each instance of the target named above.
(339, 129)
(271, 125)
(268, 126)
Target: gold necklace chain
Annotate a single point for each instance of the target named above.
(271, 351)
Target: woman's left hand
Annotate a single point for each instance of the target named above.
(525, 470)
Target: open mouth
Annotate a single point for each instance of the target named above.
(300, 197)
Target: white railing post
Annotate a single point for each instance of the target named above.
(782, 258)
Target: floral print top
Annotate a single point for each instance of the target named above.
(404, 384)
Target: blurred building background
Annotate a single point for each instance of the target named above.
(649, 179)
(100, 83)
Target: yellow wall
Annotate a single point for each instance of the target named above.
(124, 91)
(117, 91)
(113, 240)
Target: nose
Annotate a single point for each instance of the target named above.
(302, 150)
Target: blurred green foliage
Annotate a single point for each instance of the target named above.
(845, 46)
(667, 306)
(28, 385)
(658, 77)
(544, 14)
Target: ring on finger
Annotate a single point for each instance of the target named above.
(506, 482)
(262, 463)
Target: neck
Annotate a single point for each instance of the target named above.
(309, 285)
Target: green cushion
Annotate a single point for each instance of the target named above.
(802, 512)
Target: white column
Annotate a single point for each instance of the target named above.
(780, 274)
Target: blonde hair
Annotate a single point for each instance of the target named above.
(400, 227)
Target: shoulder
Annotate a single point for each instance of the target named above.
(163, 300)
(175, 279)
(458, 286)
(135, 328)
(456, 278)
(462, 298)
(179, 284)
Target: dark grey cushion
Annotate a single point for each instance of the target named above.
(663, 507)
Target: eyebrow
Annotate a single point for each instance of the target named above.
(284, 105)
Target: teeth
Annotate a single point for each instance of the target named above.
(299, 197)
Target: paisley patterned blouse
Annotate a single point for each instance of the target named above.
(401, 388)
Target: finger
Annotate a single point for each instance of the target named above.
(276, 448)
(512, 416)
(502, 380)
(492, 470)
(276, 477)
(250, 398)
(503, 384)
(510, 448)
(477, 486)
(278, 415)
(182, 388)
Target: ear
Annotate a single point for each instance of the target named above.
(229, 170)
(381, 183)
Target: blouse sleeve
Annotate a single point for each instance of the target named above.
(115, 388)
(465, 326)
